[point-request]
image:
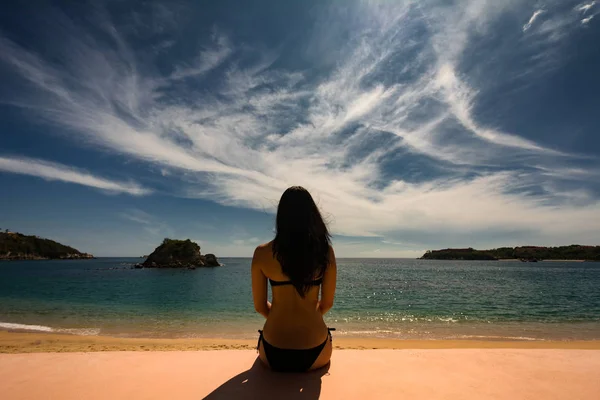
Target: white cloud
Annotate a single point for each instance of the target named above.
(460, 98)
(531, 21)
(58, 172)
(208, 59)
(558, 24)
(587, 20)
(260, 129)
(585, 7)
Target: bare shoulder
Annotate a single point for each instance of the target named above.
(332, 261)
(264, 250)
(331, 252)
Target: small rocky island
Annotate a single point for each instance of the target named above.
(178, 254)
(523, 253)
(16, 246)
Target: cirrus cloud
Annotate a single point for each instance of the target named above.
(59, 172)
(387, 137)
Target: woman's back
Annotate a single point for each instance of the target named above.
(293, 322)
(299, 264)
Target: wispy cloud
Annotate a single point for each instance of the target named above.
(587, 19)
(251, 129)
(585, 7)
(149, 223)
(58, 172)
(460, 99)
(589, 10)
(531, 21)
(559, 20)
(253, 241)
(208, 59)
(139, 216)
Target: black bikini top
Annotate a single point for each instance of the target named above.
(316, 282)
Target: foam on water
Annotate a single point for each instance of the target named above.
(42, 328)
(495, 337)
(38, 328)
(364, 332)
(80, 332)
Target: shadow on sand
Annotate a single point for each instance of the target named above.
(259, 382)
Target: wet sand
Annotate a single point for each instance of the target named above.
(36, 342)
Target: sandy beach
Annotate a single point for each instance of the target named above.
(97, 367)
(353, 374)
(39, 342)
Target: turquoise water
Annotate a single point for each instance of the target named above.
(383, 298)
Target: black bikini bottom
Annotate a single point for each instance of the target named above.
(292, 360)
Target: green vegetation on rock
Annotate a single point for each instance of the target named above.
(457, 254)
(16, 246)
(179, 254)
(525, 253)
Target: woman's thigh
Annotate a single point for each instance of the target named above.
(324, 357)
(261, 354)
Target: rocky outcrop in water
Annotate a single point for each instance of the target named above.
(211, 260)
(16, 246)
(179, 254)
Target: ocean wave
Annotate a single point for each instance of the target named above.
(403, 318)
(367, 332)
(428, 336)
(39, 328)
(80, 332)
(491, 337)
(42, 328)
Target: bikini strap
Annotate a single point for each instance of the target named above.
(316, 282)
(329, 333)
(260, 337)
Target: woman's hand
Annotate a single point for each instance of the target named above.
(264, 311)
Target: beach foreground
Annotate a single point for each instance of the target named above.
(353, 374)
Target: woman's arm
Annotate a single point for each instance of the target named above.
(259, 286)
(328, 285)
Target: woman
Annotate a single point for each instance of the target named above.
(298, 262)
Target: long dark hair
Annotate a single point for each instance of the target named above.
(302, 241)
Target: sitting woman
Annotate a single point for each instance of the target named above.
(297, 263)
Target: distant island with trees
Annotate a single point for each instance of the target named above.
(523, 253)
(173, 253)
(16, 246)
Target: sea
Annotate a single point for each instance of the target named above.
(382, 298)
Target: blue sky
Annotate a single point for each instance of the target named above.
(415, 124)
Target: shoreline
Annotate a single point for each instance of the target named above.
(447, 329)
(541, 260)
(505, 260)
(40, 342)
